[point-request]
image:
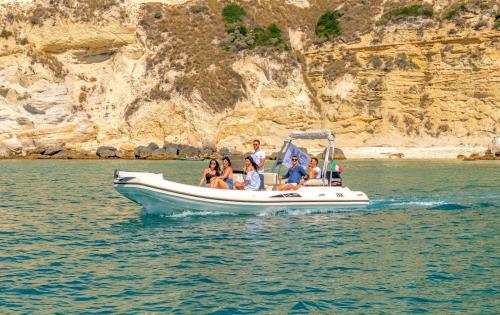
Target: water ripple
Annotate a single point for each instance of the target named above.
(428, 243)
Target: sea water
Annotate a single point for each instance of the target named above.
(428, 243)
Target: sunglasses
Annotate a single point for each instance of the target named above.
(255, 144)
(294, 160)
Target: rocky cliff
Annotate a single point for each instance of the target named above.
(82, 74)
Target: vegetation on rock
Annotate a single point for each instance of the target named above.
(456, 11)
(497, 23)
(5, 34)
(233, 13)
(328, 25)
(413, 10)
(241, 36)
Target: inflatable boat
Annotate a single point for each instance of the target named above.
(159, 195)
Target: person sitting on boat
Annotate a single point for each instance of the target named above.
(210, 173)
(294, 174)
(252, 179)
(225, 181)
(259, 157)
(314, 170)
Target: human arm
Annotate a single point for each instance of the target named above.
(228, 173)
(286, 175)
(202, 177)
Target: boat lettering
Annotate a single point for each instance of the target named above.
(340, 194)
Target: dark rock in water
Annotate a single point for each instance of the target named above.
(125, 154)
(225, 151)
(172, 149)
(338, 154)
(142, 152)
(53, 150)
(37, 150)
(188, 150)
(153, 146)
(66, 154)
(162, 154)
(106, 152)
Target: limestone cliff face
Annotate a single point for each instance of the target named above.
(94, 73)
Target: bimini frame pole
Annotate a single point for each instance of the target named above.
(279, 161)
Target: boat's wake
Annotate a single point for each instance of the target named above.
(441, 203)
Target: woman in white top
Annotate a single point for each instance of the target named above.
(252, 179)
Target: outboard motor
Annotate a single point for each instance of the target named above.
(333, 178)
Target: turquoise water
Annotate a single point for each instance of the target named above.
(428, 243)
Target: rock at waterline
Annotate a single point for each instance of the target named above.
(106, 152)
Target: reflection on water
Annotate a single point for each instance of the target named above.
(427, 243)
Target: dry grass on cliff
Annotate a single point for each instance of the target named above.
(187, 39)
(47, 60)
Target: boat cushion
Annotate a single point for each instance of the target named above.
(270, 179)
(314, 182)
(238, 177)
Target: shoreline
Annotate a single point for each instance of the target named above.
(351, 153)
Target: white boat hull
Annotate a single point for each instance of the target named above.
(158, 195)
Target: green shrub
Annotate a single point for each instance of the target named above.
(5, 34)
(453, 13)
(328, 25)
(270, 36)
(241, 29)
(413, 10)
(497, 23)
(233, 13)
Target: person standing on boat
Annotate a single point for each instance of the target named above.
(294, 174)
(259, 157)
(225, 181)
(210, 173)
(252, 178)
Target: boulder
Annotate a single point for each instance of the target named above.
(14, 146)
(52, 150)
(153, 146)
(189, 150)
(68, 154)
(158, 154)
(172, 149)
(142, 152)
(125, 154)
(396, 156)
(225, 151)
(106, 152)
(36, 151)
(338, 154)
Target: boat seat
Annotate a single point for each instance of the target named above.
(314, 182)
(238, 177)
(270, 179)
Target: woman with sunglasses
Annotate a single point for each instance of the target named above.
(252, 179)
(225, 181)
(210, 173)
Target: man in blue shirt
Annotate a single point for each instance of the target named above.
(294, 175)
